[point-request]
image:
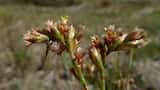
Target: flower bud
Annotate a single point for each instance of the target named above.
(79, 56)
(96, 57)
(64, 19)
(71, 39)
(58, 34)
(71, 33)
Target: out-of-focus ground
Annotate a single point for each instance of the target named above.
(18, 64)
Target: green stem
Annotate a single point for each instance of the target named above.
(103, 86)
(131, 59)
(79, 72)
(84, 83)
(80, 76)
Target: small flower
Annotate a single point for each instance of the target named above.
(122, 37)
(113, 38)
(137, 34)
(96, 57)
(79, 56)
(63, 28)
(99, 44)
(110, 27)
(64, 19)
(35, 36)
(95, 41)
(79, 33)
(95, 54)
(58, 35)
(56, 31)
(72, 33)
(49, 25)
(136, 39)
(110, 35)
(70, 40)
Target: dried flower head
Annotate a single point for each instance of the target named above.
(110, 35)
(136, 34)
(35, 36)
(49, 24)
(136, 38)
(113, 38)
(117, 40)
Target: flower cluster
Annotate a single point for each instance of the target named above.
(114, 40)
(61, 36)
(60, 32)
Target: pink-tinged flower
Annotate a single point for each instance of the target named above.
(110, 27)
(99, 44)
(63, 28)
(56, 31)
(136, 39)
(35, 36)
(95, 41)
(113, 38)
(136, 34)
(110, 35)
(49, 25)
(79, 56)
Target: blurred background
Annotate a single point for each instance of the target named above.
(18, 64)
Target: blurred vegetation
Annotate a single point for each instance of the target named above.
(44, 3)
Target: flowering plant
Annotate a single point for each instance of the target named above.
(67, 38)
